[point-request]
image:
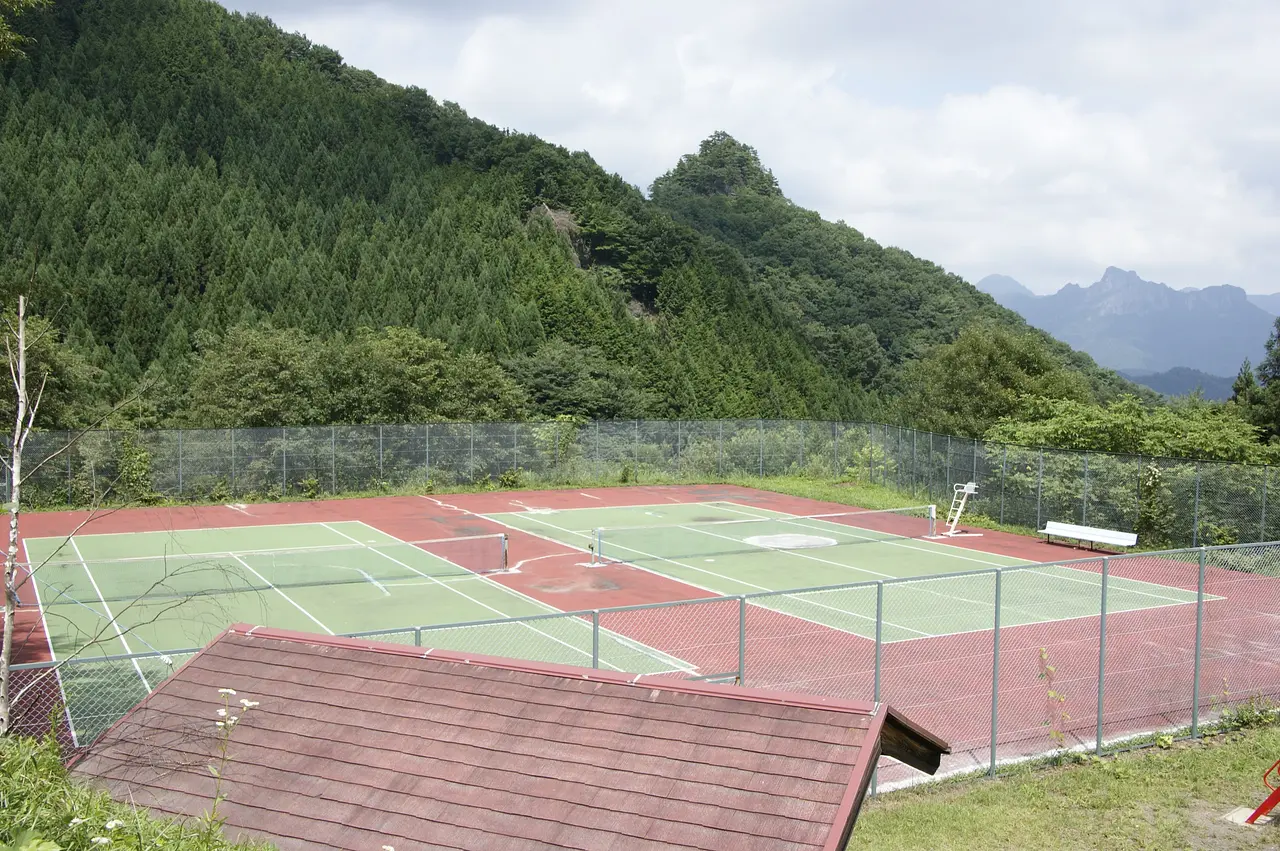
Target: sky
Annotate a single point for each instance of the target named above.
(1045, 141)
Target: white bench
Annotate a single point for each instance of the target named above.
(1089, 533)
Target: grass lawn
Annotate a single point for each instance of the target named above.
(1150, 799)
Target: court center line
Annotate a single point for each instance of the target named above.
(289, 599)
(107, 609)
(743, 582)
(497, 612)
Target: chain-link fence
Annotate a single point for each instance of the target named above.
(1005, 664)
(1169, 502)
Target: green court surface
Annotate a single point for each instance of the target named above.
(732, 549)
(104, 595)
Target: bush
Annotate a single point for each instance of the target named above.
(45, 810)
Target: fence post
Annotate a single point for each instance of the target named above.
(1195, 514)
(380, 474)
(835, 448)
(975, 460)
(1102, 647)
(913, 460)
(761, 449)
(69, 480)
(595, 638)
(471, 462)
(284, 461)
(742, 641)
(1004, 472)
(1084, 500)
(597, 450)
(231, 438)
(871, 454)
(875, 682)
(1195, 686)
(333, 459)
(417, 636)
(426, 449)
(678, 437)
(946, 478)
(515, 446)
(720, 450)
(995, 675)
(1262, 525)
(1039, 486)
(179, 463)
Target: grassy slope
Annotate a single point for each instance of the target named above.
(1165, 799)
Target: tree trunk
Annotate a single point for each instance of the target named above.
(19, 373)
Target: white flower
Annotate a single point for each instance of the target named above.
(76, 821)
(388, 848)
(220, 723)
(113, 824)
(229, 691)
(222, 713)
(249, 704)
(233, 719)
(100, 840)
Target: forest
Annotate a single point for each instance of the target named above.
(223, 224)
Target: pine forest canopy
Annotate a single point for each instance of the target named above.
(231, 218)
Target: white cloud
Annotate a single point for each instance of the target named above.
(1042, 142)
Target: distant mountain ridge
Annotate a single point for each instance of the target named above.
(1181, 381)
(1136, 326)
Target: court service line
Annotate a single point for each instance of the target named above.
(107, 609)
(149, 532)
(793, 520)
(289, 599)
(742, 582)
(465, 596)
(1013, 568)
(941, 594)
(467, 575)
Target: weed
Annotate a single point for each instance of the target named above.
(1057, 718)
(512, 479)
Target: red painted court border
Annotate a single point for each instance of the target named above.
(943, 683)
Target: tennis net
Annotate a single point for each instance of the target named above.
(761, 533)
(179, 575)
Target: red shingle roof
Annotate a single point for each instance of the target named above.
(357, 745)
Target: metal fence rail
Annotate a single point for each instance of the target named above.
(1083, 653)
(1167, 501)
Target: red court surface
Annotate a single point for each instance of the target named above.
(943, 683)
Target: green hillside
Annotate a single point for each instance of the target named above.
(865, 309)
(232, 223)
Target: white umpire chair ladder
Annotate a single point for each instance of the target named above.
(960, 496)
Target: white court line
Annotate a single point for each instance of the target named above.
(740, 582)
(289, 599)
(149, 532)
(107, 609)
(579, 508)
(48, 637)
(467, 575)
(465, 596)
(794, 521)
(1019, 569)
(589, 496)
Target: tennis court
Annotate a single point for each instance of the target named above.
(729, 548)
(112, 594)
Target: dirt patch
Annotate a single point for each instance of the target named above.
(575, 586)
(1211, 832)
